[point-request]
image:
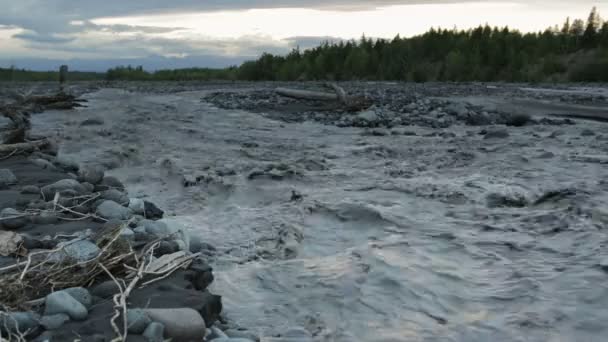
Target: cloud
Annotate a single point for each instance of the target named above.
(43, 38)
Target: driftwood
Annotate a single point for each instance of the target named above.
(349, 103)
(23, 147)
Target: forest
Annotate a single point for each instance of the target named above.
(576, 51)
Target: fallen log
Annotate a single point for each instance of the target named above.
(349, 103)
(29, 146)
(306, 94)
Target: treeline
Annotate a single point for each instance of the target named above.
(22, 75)
(577, 51)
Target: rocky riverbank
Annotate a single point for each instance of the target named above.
(78, 255)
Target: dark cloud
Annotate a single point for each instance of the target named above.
(43, 38)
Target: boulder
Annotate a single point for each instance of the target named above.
(54, 322)
(12, 219)
(71, 186)
(105, 290)
(90, 174)
(137, 321)
(62, 303)
(108, 183)
(113, 211)
(180, 324)
(82, 295)
(7, 178)
(201, 275)
(66, 163)
(368, 116)
(500, 133)
(30, 190)
(115, 196)
(137, 206)
(151, 211)
(44, 164)
(81, 251)
(18, 322)
(154, 332)
(92, 122)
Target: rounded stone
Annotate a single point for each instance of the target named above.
(13, 219)
(154, 332)
(82, 295)
(137, 321)
(14, 322)
(62, 303)
(183, 324)
(54, 322)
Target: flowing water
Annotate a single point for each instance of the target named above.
(395, 238)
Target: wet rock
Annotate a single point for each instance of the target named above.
(18, 322)
(115, 196)
(30, 190)
(216, 333)
(498, 200)
(233, 333)
(62, 303)
(90, 174)
(518, 120)
(92, 122)
(66, 163)
(137, 321)
(113, 211)
(45, 218)
(81, 251)
(151, 211)
(54, 322)
(12, 219)
(108, 183)
(546, 155)
(44, 164)
(496, 134)
(82, 295)
(105, 290)
(137, 206)
(7, 178)
(65, 185)
(200, 274)
(587, 133)
(154, 332)
(180, 324)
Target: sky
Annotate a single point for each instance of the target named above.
(95, 35)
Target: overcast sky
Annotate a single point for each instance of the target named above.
(216, 32)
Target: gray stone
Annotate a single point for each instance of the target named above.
(44, 164)
(215, 333)
(157, 228)
(12, 219)
(587, 133)
(90, 174)
(49, 191)
(127, 234)
(457, 109)
(154, 332)
(30, 190)
(45, 218)
(113, 211)
(82, 295)
(54, 322)
(137, 206)
(14, 322)
(7, 178)
(88, 187)
(62, 303)
(105, 290)
(115, 196)
(110, 182)
(496, 134)
(137, 321)
(233, 333)
(180, 324)
(81, 251)
(368, 116)
(66, 163)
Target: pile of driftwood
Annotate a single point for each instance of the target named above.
(348, 103)
(13, 137)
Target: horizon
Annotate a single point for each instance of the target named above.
(93, 37)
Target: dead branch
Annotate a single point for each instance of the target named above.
(349, 103)
(24, 147)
